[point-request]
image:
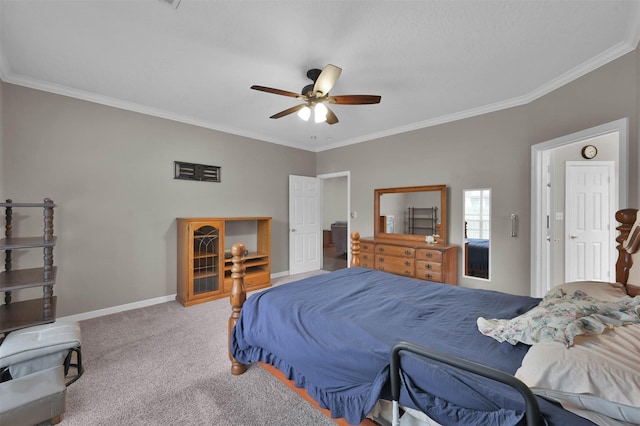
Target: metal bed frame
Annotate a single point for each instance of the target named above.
(532, 414)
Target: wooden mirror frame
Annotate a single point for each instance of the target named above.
(378, 228)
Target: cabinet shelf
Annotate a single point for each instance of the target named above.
(25, 313)
(204, 274)
(204, 255)
(17, 315)
(49, 204)
(16, 243)
(250, 260)
(25, 278)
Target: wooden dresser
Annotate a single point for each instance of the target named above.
(429, 262)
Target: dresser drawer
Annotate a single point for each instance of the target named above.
(428, 275)
(366, 246)
(429, 255)
(367, 260)
(421, 265)
(395, 265)
(389, 250)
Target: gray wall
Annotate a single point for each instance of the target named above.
(492, 151)
(111, 173)
(1, 133)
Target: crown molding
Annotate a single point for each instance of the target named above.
(586, 67)
(592, 64)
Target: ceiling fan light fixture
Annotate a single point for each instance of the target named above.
(320, 113)
(305, 113)
(314, 96)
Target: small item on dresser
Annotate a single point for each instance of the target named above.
(430, 239)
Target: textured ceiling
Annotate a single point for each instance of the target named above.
(431, 61)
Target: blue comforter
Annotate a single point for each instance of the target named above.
(332, 334)
(477, 254)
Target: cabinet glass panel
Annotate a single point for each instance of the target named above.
(206, 246)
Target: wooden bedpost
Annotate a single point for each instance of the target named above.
(238, 297)
(626, 217)
(355, 249)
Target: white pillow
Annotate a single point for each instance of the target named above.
(599, 373)
(597, 289)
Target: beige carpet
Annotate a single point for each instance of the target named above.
(168, 365)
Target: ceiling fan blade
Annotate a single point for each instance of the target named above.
(354, 99)
(276, 91)
(331, 117)
(288, 111)
(327, 79)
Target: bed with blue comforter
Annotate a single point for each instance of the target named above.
(332, 334)
(477, 257)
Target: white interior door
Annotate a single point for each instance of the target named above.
(589, 211)
(540, 277)
(305, 227)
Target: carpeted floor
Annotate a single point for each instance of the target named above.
(168, 365)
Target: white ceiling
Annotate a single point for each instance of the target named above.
(431, 61)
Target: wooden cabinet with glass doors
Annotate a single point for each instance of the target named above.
(204, 264)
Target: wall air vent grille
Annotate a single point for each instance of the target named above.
(200, 172)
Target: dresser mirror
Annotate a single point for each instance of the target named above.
(476, 250)
(411, 213)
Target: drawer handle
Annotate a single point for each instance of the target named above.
(364, 256)
(428, 276)
(381, 249)
(381, 259)
(429, 255)
(407, 273)
(407, 252)
(407, 263)
(429, 266)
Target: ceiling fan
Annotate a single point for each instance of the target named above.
(315, 96)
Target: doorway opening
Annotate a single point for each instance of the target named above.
(548, 195)
(307, 219)
(336, 224)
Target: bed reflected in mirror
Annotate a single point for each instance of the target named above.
(477, 233)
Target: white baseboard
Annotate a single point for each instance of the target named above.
(134, 305)
(119, 308)
(280, 274)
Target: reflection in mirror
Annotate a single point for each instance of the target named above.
(477, 229)
(411, 213)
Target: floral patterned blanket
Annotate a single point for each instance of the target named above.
(561, 317)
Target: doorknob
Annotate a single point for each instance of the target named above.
(573, 236)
